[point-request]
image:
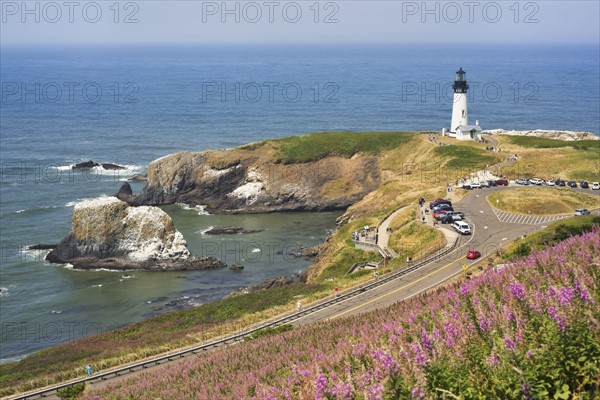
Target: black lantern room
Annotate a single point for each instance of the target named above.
(460, 84)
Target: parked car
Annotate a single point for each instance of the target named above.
(582, 211)
(492, 182)
(466, 186)
(439, 201)
(550, 182)
(584, 185)
(473, 254)
(572, 184)
(462, 227)
(560, 182)
(440, 213)
(501, 182)
(446, 219)
(536, 181)
(522, 181)
(484, 184)
(475, 185)
(595, 186)
(442, 207)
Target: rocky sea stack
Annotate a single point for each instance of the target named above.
(108, 233)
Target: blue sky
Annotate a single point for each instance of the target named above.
(344, 21)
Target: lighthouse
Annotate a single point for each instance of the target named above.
(459, 106)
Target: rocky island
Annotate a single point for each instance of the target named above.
(108, 233)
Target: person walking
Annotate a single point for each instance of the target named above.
(298, 306)
(88, 370)
(376, 275)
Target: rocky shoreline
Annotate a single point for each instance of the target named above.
(251, 181)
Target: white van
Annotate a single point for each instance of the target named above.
(462, 227)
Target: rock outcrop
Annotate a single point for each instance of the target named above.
(92, 164)
(548, 134)
(125, 193)
(108, 233)
(249, 181)
(230, 230)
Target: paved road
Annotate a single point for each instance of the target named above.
(489, 234)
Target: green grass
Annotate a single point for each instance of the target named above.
(269, 331)
(466, 157)
(543, 143)
(301, 149)
(174, 328)
(553, 233)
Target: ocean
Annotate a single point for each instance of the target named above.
(130, 105)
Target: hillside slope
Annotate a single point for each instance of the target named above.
(528, 331)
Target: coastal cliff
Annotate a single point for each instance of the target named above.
(252, 181)
(108, 233)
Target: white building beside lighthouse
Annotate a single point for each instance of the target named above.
(460, 128)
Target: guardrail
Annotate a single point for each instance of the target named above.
(240, 336)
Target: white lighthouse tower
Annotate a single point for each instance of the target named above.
(459, 107)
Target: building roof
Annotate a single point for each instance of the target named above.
(469, 128)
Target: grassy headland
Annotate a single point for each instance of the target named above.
(543, 200)
(411, 167)
(552, 159)
(316, 146)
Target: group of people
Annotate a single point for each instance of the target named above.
(491, 148)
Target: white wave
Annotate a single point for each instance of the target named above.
(62, 167)
(56, 312)
(257, 250)
(203, 231)
(26, 210)
(127, 276)
(82, 199)
(201, 210)
(128, 171)
(97, 286)
(68, 266)
(3, 291)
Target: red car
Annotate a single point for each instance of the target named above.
(439, 214)
(473, 254)
(501, 182)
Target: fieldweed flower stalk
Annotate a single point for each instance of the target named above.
(534, 314)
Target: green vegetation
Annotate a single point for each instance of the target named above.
(71, 392)
(543, 143)
(542, 200)
(466, 157)
(270, 331)
(553, 233)
(152, 336)
(301, 149)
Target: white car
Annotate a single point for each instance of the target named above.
(462, 227)
(582, 211)
(550, 182)
(536, 181)
(475, 185)
(595, 186)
